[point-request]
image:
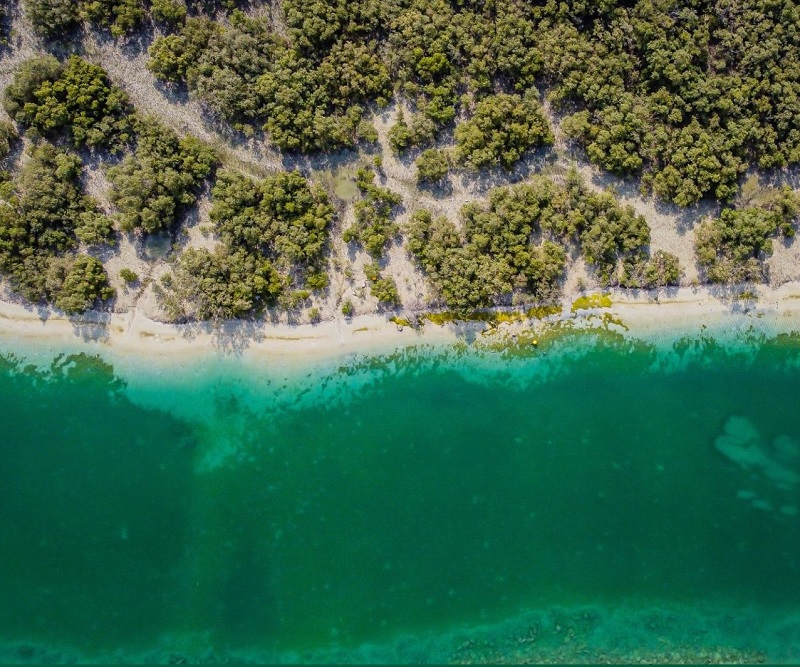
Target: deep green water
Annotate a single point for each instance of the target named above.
(400, 505)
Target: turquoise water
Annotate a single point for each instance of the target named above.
(594, 495)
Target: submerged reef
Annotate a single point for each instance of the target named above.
(777, 462)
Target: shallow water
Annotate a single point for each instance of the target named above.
(406, 503)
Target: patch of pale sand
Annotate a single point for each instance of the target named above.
(578, 277)
(199, 230)
(147, 302)
(400, 173)
(413, 288)
(671, 228)
(131, 74)
(127, 256)
(784, 264)
(133, 335)
(359, 293)
(97, 186)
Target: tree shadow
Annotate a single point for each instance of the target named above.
(481, 181)
(308, 163)
(235, 336)
(441, 189)
(230, 337)
(91, 326)
(7, 15)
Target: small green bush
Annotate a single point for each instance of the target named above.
(503, 128)
(348, 308)
(432, 166)
(373, 227)
(128, 276)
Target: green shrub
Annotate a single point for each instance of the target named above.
(222, 284)
(274, 234)
(83, 283)
(731, 248)
(347, 308)
(373, 227)
(282, 217)
(317, 280)
(660, 270)
(168, 11)
(432, 166)
(497, 259)
(74, 99)
(41, 216)
(502, 130)
(119, 16)
(7, 137)
(385, 291)
(128, 276)
(399, 135)
(52, 18)
(249, 75)
(152, 186)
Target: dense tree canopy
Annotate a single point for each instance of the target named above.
(304, 99)
(221, 284)
(56, 19)
(43, 216)
(432, 166)
(151, 185)
(688, 92)
(282, 217)
(273, 237)
(7, 137)
(682, 95)
(74, 99)
(503, 128)
(685, 94)
(516, 244)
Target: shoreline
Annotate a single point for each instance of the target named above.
(640, 314)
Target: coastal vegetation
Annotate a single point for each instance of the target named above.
(273, 235)
(497, 259)
(72, 102)
(374, 227)
(7, 137)
(447, 113)
(44, 216)
(432, 166)
(732, 247)
(690, 98)
(502, 129)
(157, 179)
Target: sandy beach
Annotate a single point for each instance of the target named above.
(641, 314)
